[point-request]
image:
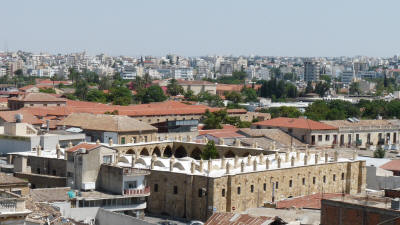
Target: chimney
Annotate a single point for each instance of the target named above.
(255, 165)
(292, 161)
(242, 166)
(305, 159)
(58, 151)
(228, 168)
(279, 162)
(39, 150)
(267, 163)
(47, 126)
(201, 166)
(222, 162)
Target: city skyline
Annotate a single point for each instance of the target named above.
(285, 28)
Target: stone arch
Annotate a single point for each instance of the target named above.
(180, 152)
(123, 159)
(144, 152)
(229, 154)
(130, 152)
(167, 151)
(196, 153)
(246, 154)
(178, 165)
(159, 163)
(157, 151)
(141, 161)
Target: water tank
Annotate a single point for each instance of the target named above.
(18, 118)
(395, 204)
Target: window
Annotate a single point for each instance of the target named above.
(334, 177)
(342, 176)
(58, 104)
(238, 190)
(200, 193)
(313, 180)
(54, 172)
(69, 174)
(319, 137)
(265, 187)
(107, 159)
(123, 140)
(304, 181)
(290, 183)
(131, 184)
(327, 137)
(277, 185)
(145, 138)
(324, 179)
(223, 192)
(175, 190)
(16, 191)
(155, 187)
(252, 188)
(38, 170)
(44, 105)
(30, 104)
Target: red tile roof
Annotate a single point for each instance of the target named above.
(9, 116)
(86, 146)
(393, 165)
(306, 202)
(236, 219)
(301, 123)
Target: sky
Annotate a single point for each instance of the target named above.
(308, 28)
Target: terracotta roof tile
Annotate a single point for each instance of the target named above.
(103, 122)
(393, 165)
(301, 123)
(86, 146)
(306, 202)
(6, 179)
(236, 219)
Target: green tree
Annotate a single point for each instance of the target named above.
(81, 89)
(47, 90)
(234, 96)
(321, 88)
(379, 153)
(120, 96)
(95, 95)
(151, 94)
(212, 120)
(173, 88)
(210, 151)
(283, 111)
(309, 88)
(189, 95)
(355, 88)
(19, 72)
(250, 95)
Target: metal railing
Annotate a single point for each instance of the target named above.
(132, 192)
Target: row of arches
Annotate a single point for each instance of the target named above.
(179, 152)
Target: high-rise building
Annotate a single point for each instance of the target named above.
(311, 71)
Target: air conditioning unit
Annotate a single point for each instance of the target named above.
(88, 186)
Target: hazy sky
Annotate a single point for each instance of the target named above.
(203, 27)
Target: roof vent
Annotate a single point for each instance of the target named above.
(18, 118)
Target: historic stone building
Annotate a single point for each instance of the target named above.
(365, 133)
(194, 189)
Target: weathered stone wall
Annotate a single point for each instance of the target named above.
(256, 188)
(43, 181)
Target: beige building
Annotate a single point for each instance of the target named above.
(12, 209)
(365, 133)
(194, 189)
(198, 86)
(102, 127)
(308, 131)
(35, 100)
(13, 184)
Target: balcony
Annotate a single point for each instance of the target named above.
(137, 192)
